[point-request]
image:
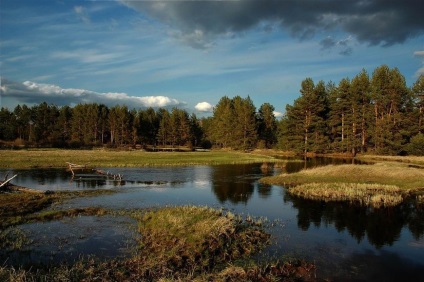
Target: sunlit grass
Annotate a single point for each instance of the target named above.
(387, 174)
(403, 159)
(109, 158)
(375, 195)
(190, 239)
(372, 185)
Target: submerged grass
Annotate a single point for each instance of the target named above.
(375, 185)
(21, 207)
(108, 158)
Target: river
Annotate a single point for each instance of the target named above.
(347, 242)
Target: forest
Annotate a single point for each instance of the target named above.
(379, 114)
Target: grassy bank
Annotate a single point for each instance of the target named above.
(109, 158)
(185, 243)
(381, 184)
(400, 159)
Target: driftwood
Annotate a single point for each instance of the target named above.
(72, 166)
(75, 166)
(6, 181)
(7, 186)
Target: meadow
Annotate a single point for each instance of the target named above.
(45, 158)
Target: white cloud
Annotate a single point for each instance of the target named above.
(33, 92)
(278, 114)
(204, 107)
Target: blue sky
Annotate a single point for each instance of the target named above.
(189, 54)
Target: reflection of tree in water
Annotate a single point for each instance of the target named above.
(382, 226)
(386, 266)
(264, 190)
(230, 183)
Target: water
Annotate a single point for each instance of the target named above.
(348, 243)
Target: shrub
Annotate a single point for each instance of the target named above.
(416, 146)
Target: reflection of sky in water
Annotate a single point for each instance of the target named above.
(345, 241)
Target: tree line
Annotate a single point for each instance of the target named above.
(376, 113)
(87, 125)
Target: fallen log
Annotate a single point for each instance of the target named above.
(7, 186)
(6, 182)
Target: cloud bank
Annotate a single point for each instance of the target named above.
(375, 22)
(32, 92)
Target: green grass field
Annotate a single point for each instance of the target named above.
(110, 158)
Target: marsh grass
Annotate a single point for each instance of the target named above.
(405, 178)
(185, 243)
(21, 207)
(375, 195)
(375, 185)
(402, 159)
(190, 240)
(108, 158)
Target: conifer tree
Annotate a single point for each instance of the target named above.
(222, 124)
(244, 126)
(360, 92)
(267, 125)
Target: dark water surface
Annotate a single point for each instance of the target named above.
(348, 243)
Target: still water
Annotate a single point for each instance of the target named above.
(348, 243)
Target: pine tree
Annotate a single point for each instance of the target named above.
(244, 126)
(360, 92)
(418, 97)
(390, 98)
(222, 124)
(267, 125)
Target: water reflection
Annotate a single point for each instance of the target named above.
(236, 183)
(296, 164)
(381, 226)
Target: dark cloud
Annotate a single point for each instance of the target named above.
(343, 45)
(327, 43)
(346, 52)
(376, 22)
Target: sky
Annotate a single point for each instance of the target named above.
(189, 54)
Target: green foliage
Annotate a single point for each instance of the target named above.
(234, 123)
(416, 146)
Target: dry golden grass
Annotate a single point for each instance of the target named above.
(404, 159)
(375, 195)
(381, 184)
(388, 174)
(189, 239)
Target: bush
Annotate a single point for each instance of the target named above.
(416, 146)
